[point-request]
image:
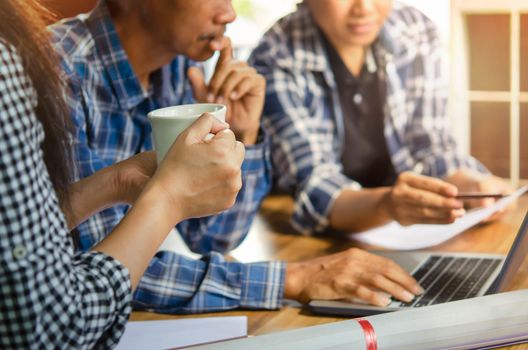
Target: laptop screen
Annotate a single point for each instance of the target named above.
(513, 261)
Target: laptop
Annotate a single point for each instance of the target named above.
(444, 276)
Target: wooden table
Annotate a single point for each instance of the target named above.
(271, 237)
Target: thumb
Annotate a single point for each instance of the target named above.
(203, 126)
(197, 80)
(225, 135)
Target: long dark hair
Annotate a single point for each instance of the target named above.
(22, 25)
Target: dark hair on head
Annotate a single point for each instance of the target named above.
(22, 25)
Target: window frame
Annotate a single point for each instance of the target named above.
(461, 96)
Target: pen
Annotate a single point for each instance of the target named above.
(478, 195)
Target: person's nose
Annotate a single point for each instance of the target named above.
(227, 15)
(363, 7)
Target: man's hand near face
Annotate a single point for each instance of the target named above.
(239, 87)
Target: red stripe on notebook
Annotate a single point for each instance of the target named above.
(370, 334)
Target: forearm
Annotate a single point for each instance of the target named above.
(89, 196)
(138, 236)
(358, 210)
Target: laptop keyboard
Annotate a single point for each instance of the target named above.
(446, 278)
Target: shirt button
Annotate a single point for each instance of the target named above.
(358, 99)
(19, 252)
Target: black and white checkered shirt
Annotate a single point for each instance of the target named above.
(49, 297)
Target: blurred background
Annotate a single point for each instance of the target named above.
(486, 51)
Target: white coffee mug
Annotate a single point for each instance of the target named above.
(167, 123)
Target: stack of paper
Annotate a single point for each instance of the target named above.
(170, 334)
(395, 236)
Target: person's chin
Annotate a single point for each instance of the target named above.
(203, 54)
(363, 40)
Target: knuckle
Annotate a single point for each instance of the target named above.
(232, 172)
(398, 191)
(390, 264)
(388, 268)
(220, 153)
(242, 148)
(235, 184)
(231, 201)
(239, 182)
(361, 275)
(337, 284)
(376, 279)
(354, 252)
(405, 176)
(448, 203)
(350, 287)
(208, 115)
(365, 293)
(228, 203)
(213, 85)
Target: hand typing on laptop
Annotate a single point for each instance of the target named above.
(348, 275)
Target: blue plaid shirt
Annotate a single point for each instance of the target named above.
(109, 110)
(303, 112)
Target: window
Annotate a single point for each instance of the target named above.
(254, 17)
(489, 82)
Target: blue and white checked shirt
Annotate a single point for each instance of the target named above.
(303, 113)
(110, 110)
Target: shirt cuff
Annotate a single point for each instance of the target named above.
(115, 278)
(262, 285)
(315, 201)
(257, 156)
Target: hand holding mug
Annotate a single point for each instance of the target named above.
(199, 177)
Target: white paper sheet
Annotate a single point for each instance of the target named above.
(170, 334)
(396, 236)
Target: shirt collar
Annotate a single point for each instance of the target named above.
(121, 76)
